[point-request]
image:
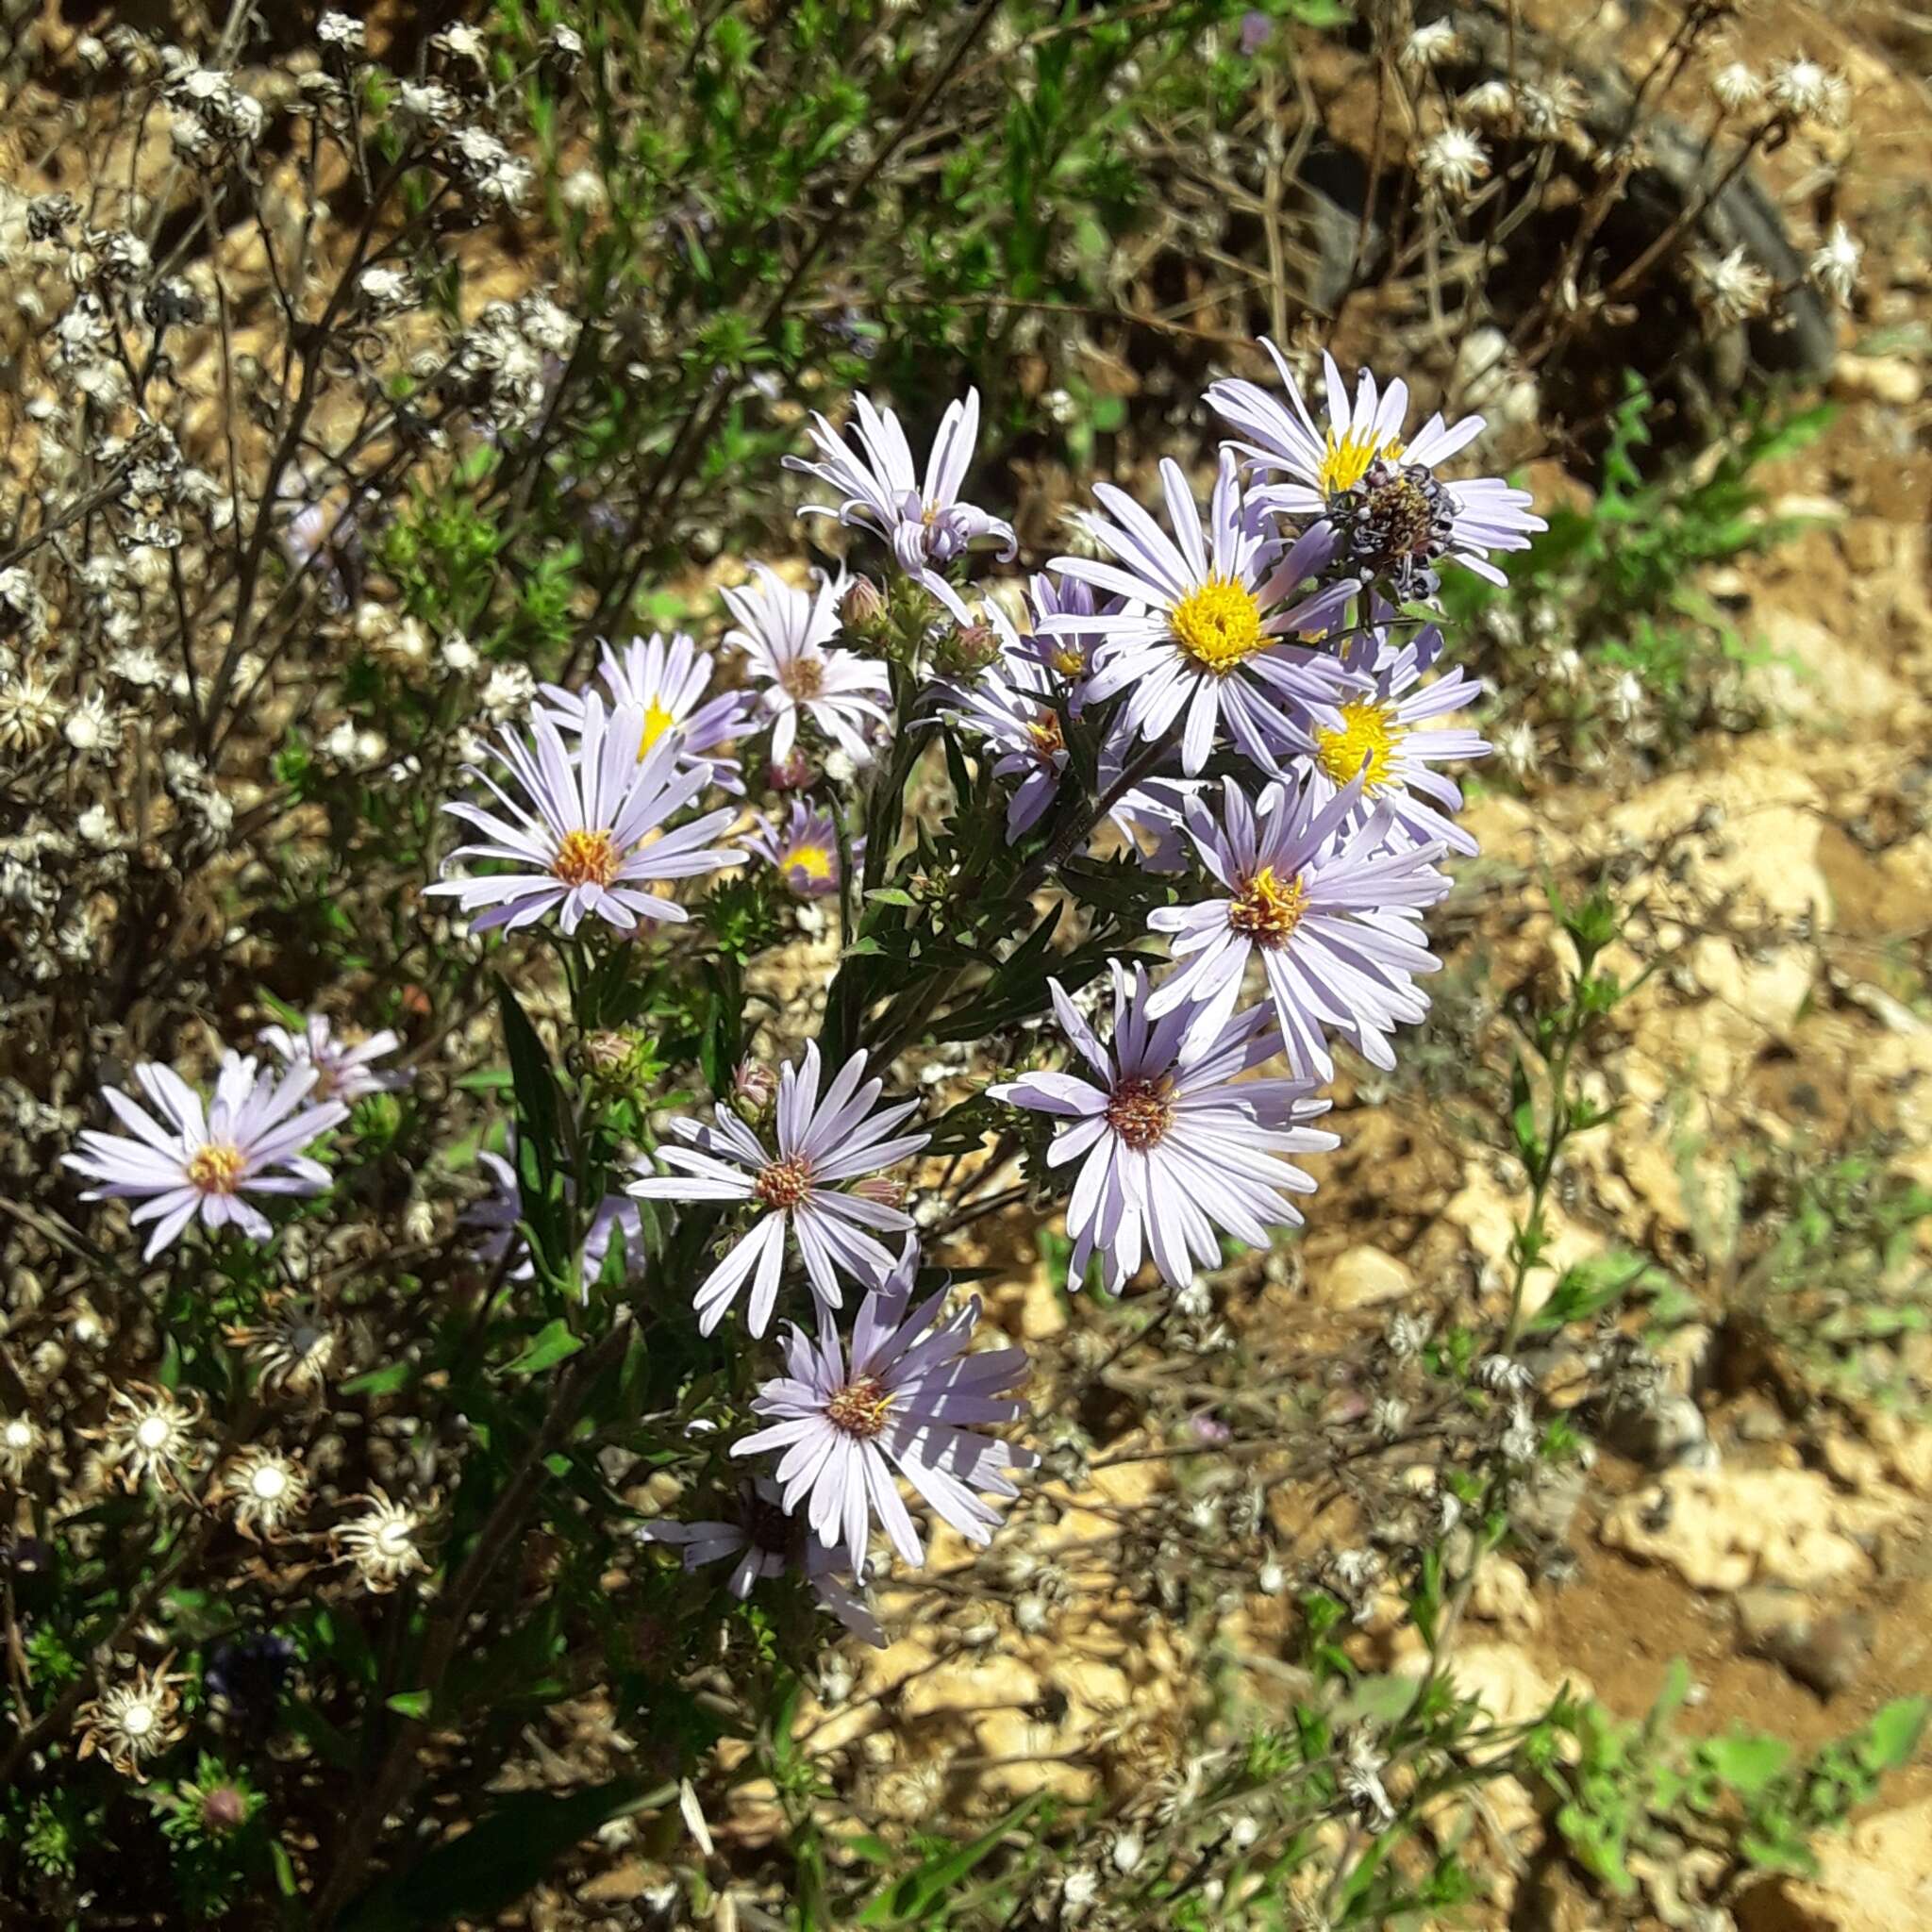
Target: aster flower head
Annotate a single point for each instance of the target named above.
(497, 1216)
(1010, 705)
(761, 1538)
(264, 1489)
(1172, 1142)
(825, 1140)
(1369, 481)
(1205, 636)
(1835, 264)
(205, 1162)
(578, 842)
(1433, 44)
(1734, 85)
(1069, 654)
(1810, 92)
(151, 1433)
(911, 1398)
(22, 1438)
(132, 1722)
(382, 1543)
(784, 632)
(1393, 738)
(666, 679)
(343, 1072)
(293, 1347)
(1453, 161)
(1333, 913)
(804, 850)
(926, 524)
(1732, 287)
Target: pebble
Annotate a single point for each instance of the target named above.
(1364, 1277)
(1881, 378)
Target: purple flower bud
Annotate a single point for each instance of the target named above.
(885, 1189)
(792, 773)
(222, 1809)
(754, 1087)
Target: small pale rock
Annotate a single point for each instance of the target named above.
(1364, 1277)
(1722, 1529)
(1877, 1877)
(1825, 1653)
(1882, 378)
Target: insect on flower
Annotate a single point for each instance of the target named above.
(1371, 483)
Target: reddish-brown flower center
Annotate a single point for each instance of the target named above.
(1046, 734)
(1141, 1111)
(586, 859)
(216, 1168)
(1267, 910)
(783, 1184)
(859, 1407)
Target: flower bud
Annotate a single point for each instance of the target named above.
(754, 1088)
(606, 1052)
(863, 608)
(222, 1809)
(882, 1189)
(792, 773)
(966, 648)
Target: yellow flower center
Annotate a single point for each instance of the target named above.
(1219, 624)
(859, 1407)
(1069, 659)
(1368, 736)
(1348, 456)
(216, 1169)
(1141, 1111)
(802, 678)
(783, 1184)
(585, 859)
(658, 721)
(814, 861)
(1268, 909)
(1046, 733)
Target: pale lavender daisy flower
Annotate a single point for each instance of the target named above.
(928, 526)
(1334, 914)
(1206, 627)
(912, 1399)
(1010, 705)
(582, 845)
(804, 851)
(823, 1141)
(1378, 490)
(1391, 739)
(207, 1161)
(766, 1540)
(343, 1072)
(496, 1215)
(1070, 655)
(666, 680)
(1172, 1143)
(784, 632)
